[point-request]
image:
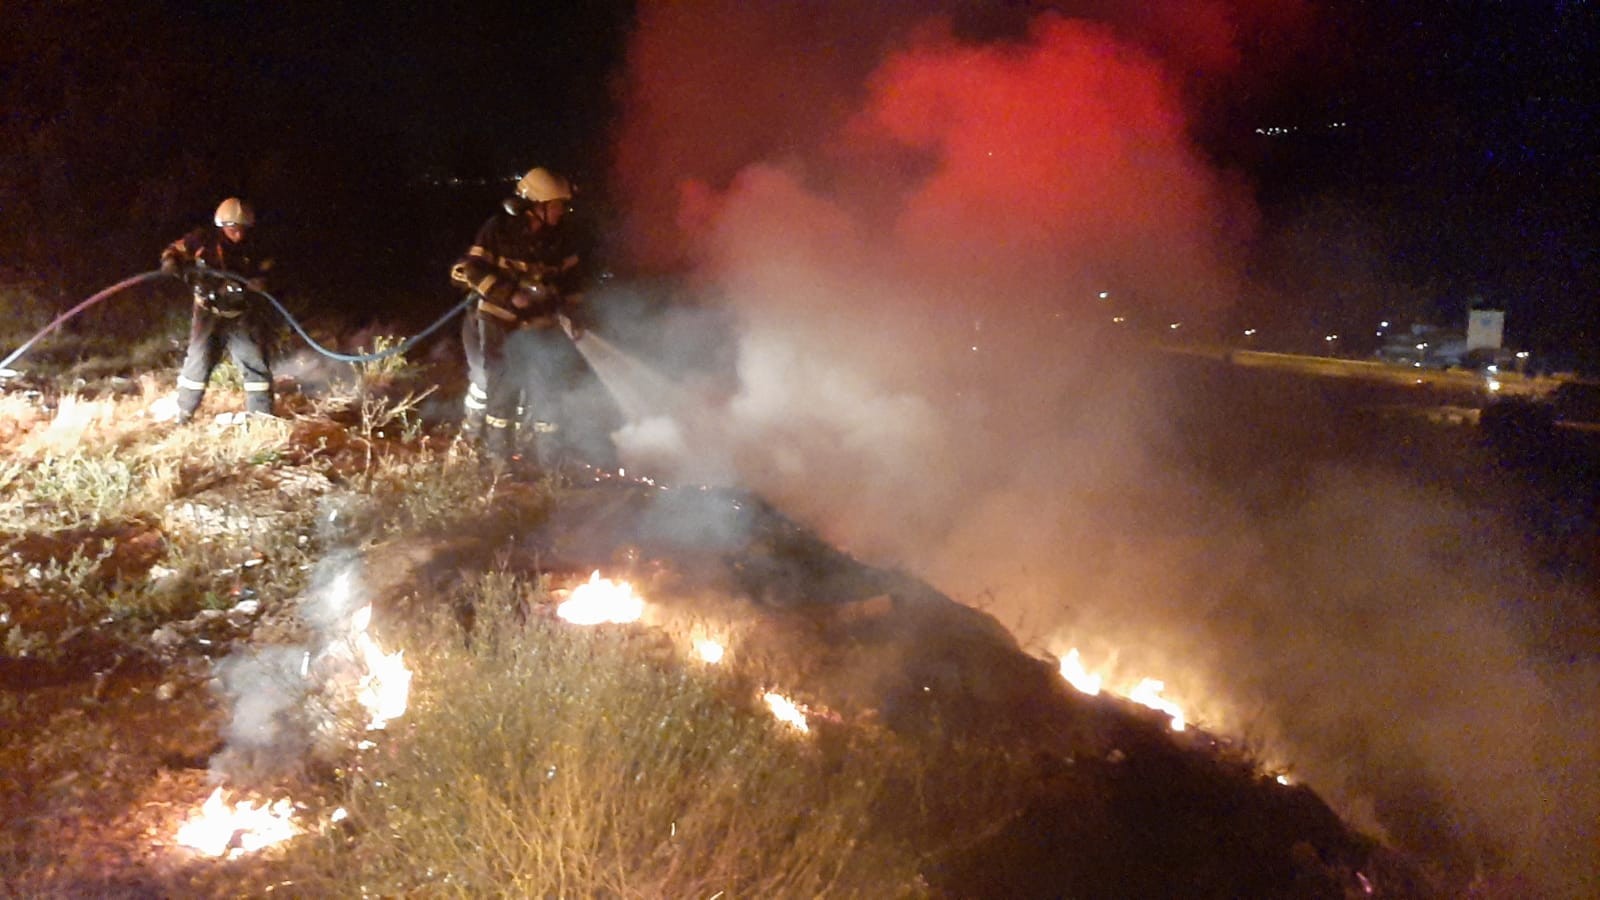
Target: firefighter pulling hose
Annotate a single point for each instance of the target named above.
(224, 314)
(407, 344)
(523, 278)
(221, 294)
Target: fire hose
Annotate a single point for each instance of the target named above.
(403, 346)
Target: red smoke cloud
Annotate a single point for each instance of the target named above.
(1061, 158)
(712, 87)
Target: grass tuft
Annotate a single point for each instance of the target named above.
(578, 763)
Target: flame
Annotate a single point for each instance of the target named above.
(708, 650)
(384, 690)
(787, 711)
(1147, 692)
(601, 600)
(1076, 675)
(219, 828)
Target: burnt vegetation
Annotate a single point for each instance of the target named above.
(142, 560)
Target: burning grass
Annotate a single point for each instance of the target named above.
(537, 757)
(550, 760)
(580, 763)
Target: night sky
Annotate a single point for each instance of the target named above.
(1461, 136)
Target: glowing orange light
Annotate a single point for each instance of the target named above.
(220, 828)
(1076, 675)
(385, 689)
(601, 600)
(1147, 692)
(787, 711)
(708, 650)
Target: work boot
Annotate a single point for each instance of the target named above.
(499, 445)
(546, 446)
(258, 403)
(472, 426)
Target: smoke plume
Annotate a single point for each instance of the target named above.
(285, 702)
(937, 236)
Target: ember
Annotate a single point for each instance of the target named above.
(601, 600)
(220, 828)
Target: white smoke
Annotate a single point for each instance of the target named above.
(929, 373)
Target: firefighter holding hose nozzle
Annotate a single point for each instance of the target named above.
(226, 314)
(524, 268)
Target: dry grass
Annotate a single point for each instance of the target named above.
(536, 760)
(555, 761)
(87, 462)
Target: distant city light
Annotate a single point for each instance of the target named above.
(1493, 385)
(1383, 324)
(1249, 331)
(1522, 354)
(1104, 294)
(1422, 346)
(1331, 338)
(1175, 326)
(1118, 319)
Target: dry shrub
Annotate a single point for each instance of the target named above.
(19, 416)
(554, 761)
(75, 417)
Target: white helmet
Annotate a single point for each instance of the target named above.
(234, 211)
(540, 185)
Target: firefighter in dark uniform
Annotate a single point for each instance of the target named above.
(524, 268)
(226, 314)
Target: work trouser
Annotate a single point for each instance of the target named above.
(477, 399)
(209, 333)
(520, 380)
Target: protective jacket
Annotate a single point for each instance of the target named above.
(209, 247)
(515, 258)
(223, 317)
(524, 273)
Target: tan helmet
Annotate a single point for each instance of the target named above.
(234, 211)
(540, 185)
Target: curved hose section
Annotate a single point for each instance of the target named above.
(402, 347)
(5, 364)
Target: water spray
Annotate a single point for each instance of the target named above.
(638, 389)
